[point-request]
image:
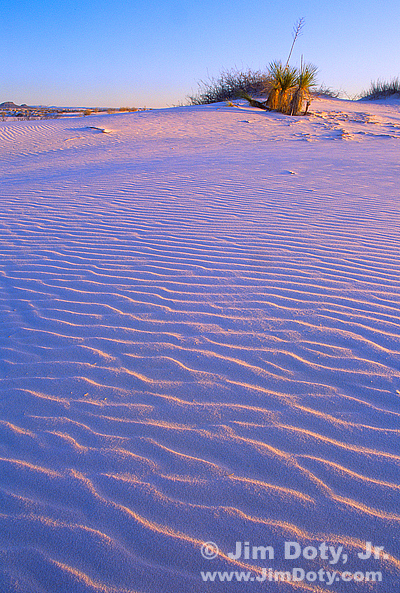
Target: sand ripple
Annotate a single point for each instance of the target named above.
(194, 349)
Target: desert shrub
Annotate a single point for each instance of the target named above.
(381, 89)
(230, 84)
(23, 115)
(324, 91)
(50, 115)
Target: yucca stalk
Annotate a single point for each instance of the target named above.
(296, 32)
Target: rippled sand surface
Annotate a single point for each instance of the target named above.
(200, 342)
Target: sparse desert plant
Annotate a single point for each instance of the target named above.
(230, 84)
(381, 89)
(87, 112)
(324, 91)
(53, 114)
(306, 80)
(24, 115)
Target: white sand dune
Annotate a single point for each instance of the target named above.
(200, 341)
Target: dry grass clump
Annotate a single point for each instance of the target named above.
(381, 89)
(230, 84)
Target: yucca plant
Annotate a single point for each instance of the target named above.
(289, 80)
(306, 80)
(288, 87)
(283, 80)
(275, 74)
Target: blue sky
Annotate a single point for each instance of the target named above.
(153, 53)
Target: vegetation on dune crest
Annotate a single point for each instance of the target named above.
(290, 88)
(287, 89)
(280, 84)
(230, 84)
(381, 89)
(324, 91)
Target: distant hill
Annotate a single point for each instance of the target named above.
(11, 105)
